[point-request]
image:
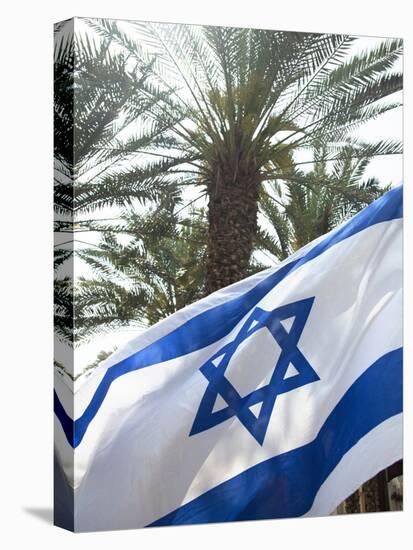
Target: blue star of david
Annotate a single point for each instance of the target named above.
(239, 406)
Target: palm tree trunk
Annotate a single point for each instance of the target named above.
(352, 503)
(375, 496)
(232, 228)
(371, 490)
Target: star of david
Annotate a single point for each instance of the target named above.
(240, 406)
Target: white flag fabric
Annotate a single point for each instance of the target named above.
(274, 397)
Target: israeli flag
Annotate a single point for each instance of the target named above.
(275, 397)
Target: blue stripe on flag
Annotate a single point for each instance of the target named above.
(215, 323)
(286, 485)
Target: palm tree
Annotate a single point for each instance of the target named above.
(96, 97)
(238, 103)
(294, 215)
(158, 270)
(161, 267)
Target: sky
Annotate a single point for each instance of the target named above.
(387, 169)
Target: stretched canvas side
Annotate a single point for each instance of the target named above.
(64, 265)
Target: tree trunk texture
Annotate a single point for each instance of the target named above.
(352, 503)
(372, 495)
(375, 496)
(232, 229)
